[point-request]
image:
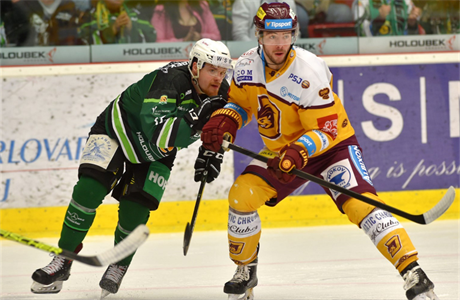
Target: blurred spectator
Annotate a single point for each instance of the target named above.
(41, 22)
(3, 40)
(222, 13)
(440, 17)
(82, 5)
(113, 22)
(243, 14)
(386, 17)
(328, 11)
(145, 7)
(184, 20)
(17, 24)
(303, 19)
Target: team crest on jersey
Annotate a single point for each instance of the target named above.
(393, 245)
(324, 93)
(268, 118)
(164, 99)
(235, 247)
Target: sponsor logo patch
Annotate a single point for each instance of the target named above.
(358, 161)
(324, 93)
(340, 174)
(278, 24)
(285, 92)
(305, 84)
(328, 125)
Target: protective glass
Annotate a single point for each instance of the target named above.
(216, 72)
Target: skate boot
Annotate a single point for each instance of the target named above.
(50, 278)
(240, 287)
(111, 280)
(417, 284)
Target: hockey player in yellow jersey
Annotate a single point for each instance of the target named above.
(303, 125)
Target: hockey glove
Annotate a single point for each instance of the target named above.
(213, 168)
(223, 122)
(292, 156)
(198, 116)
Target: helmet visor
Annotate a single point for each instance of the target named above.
(268, 37)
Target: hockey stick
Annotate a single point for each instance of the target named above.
(190, 226)
(426, 218)
(117, 253)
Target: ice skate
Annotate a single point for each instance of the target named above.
(240, 287)
(49, 279)
(111, 280)
(417, 284)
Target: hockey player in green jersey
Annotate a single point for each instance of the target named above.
(131, 149)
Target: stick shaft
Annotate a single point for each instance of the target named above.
(420, 219)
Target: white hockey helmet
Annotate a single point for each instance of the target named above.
(211, 52)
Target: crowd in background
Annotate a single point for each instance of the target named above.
(93, 22)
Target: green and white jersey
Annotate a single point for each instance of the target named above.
(147, 118)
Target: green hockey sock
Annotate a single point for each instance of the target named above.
(87, 195)
(131, 214)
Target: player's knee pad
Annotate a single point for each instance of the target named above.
(131, 214)
(390, 238)
(249, 192)
(357, 210)
(89, 192)
(244, 229)
(102, 159)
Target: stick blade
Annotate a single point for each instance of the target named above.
(187, 238)
(126, 247)
(441, 207)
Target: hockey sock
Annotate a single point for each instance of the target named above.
(247, 194)
(87, 195)
(244, 230)
(130, 215)
(385, 231)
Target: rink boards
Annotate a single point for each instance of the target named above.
(39, 162)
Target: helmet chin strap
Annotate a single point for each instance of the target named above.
(195, 80)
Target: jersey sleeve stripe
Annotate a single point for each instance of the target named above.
(120, 131)
(243, 114)
(165, 133)
(323, 139)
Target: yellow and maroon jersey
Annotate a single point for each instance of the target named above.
(293, 104)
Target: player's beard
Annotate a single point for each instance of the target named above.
(274, 61)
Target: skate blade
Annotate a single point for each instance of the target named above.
(430, 295)
(248, 295)
(53, 288)
(104, 293)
